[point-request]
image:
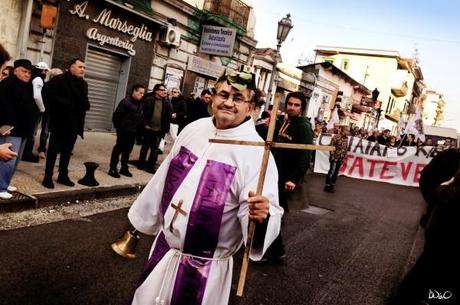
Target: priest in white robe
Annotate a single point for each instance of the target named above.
(200, 201)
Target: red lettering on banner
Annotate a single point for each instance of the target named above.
(357, 163)
(386, 168)
(344, 165)
(418, 170)
(373, 162)
(405, 170)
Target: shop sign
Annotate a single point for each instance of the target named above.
(203, 66)
(106, 19)
(217, 40)
(173, 78)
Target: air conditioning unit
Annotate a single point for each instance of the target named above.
(171, 37)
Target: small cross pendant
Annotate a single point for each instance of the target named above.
(178, 210)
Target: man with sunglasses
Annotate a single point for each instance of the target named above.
(199, 203)
(157, 117)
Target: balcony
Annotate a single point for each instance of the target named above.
(234, 10)
(399, 85)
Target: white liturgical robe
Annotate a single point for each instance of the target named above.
(196, 205)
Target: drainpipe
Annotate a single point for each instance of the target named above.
(24, 28)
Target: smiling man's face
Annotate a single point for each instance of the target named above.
(230, 106)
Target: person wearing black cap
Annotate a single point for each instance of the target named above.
(17, 107)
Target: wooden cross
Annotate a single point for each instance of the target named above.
(178, 210)
(260, 183)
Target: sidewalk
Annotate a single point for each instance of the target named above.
(95, 147)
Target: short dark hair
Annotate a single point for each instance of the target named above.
(205, 91)
(4, 55)
(135, 87)
(299, 95)
(74, 60)
(157, 87)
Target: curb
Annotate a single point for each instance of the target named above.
(23, 202)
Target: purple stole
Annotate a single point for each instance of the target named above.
(202, 229)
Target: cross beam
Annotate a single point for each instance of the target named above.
(260, 183)
(274, 144)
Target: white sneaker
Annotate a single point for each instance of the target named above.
(12, 188)
(5, 195)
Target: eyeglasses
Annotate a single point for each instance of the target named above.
(237, 99)
(175, 92)
(162, 89)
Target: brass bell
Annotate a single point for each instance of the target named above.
(126, 246)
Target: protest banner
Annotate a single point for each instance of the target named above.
(372, 161)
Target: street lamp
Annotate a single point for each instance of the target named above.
(284, 27)
(375, 95)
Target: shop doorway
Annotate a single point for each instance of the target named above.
(106, 74)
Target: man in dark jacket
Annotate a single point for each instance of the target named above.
(292, 163)
(157, 117)
(198, 108)
(127, 120)
(179, 106)
(16, 110)
(67, 99)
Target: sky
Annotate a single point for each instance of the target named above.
(431, 27)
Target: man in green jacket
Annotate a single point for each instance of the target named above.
(292, 163)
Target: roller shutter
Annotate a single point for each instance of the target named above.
(103, 77)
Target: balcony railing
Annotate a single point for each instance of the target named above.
(235, 10)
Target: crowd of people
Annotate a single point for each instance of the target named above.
(36, 98)
(384, 137)
(201, 181)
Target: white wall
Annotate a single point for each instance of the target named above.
(10, 20)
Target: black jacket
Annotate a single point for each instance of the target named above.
(128, 118)
(197, 109)
(66, 98)
(179, 106)
(17, 106)
(149, 106)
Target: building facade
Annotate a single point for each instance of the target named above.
(184, 44)
(329, 86)
(433, 107)
(385, 70)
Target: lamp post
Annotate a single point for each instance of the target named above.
(284, 27)
(375, 95)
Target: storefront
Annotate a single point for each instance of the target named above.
(117, 46)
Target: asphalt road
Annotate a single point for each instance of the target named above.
(354, 254)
